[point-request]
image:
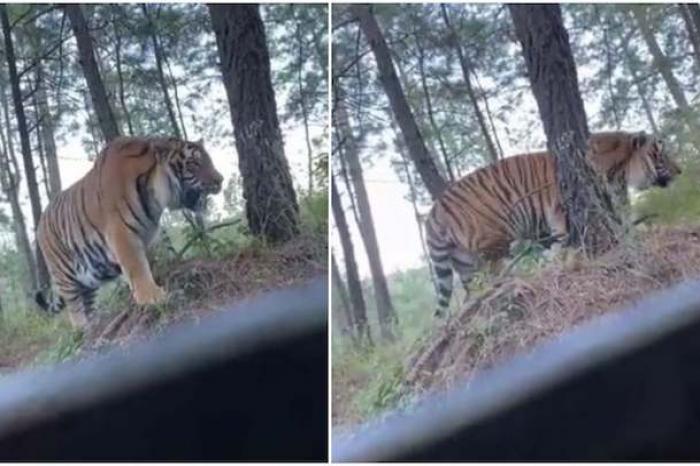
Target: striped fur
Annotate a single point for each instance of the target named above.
(478, 217)
(101, 226)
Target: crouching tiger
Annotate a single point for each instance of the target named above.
(478, 217)
(101, 226)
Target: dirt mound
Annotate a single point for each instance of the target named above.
(198, 286)
(517, 313)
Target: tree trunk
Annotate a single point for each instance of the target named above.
(357, 300)
(48, 137)
(42, 276)
(418, 151)
(385, 309)
(100, 102)
(466, 72)
(591, 219)
(120, 73)
(161, 74)
(629, 61)
(693, 34)
(304, 110)
(347, 326)
(661, 62)
(429, 107)
(271, 204)
(176, 95)
(9, 182)
(694, 10)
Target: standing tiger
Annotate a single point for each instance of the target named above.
(101, 225)
(478, 217)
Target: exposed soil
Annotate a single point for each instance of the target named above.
(517, 313)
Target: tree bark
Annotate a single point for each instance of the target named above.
(157, 51)
(271, 204)
(429, 173)
(661, 62)
(466, 72)
(100, 102)
(693, 34)
(42, 275)
(357, 300)
(385, 309)
(694, 10)
(591, 219)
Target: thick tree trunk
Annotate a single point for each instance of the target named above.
(425, 164)
(86, 54)
(385, 309)
(347, 326)
(693, 33)
(466, 72)
(157, 51)
(431, 112)
(42, 276)
(357, 300)
(661, 62)
(591, 220)
(271, 204)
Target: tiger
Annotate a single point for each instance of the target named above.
(101, 226)
(477, 218)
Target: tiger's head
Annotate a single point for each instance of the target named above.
(643, 158)
(193, 173)
(650, 165)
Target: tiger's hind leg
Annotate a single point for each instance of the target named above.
(81, 305)
(466, 265)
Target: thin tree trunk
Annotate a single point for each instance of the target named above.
(48, 137)
(466, 72)
(9, 182)
(609, 71)
(661, 62)
(40, 147)
(429, 107)
(629, 61)
(42, 276)
(161, 74)
(271, 203)
(120, 73)
(385, 309)
(304, 110)
(489, 115)
(176, 95)
(693, 34)
(357, 300)
(694, 10)
(347, 326)
(591, 219)
(418, 151)
(105, 115)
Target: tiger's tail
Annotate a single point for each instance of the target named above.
(440, 249)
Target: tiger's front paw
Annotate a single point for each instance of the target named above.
(151, 295)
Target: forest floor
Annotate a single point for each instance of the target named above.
(515, 313)
(195, 287)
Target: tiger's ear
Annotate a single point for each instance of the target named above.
(604, 142)
(639, 140)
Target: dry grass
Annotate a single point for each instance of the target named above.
(197, 287)
(517, 313)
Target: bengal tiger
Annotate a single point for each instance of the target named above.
(100, 227)
(477, 218)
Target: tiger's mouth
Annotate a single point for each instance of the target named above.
(194, 199)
